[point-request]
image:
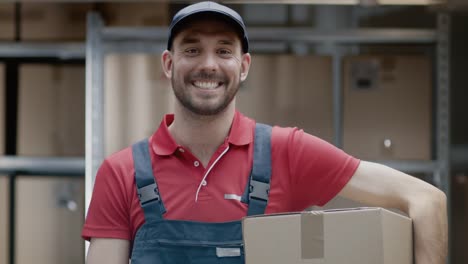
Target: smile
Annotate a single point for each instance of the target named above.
(207, 84)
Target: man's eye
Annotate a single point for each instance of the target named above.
(224, 51)
(191, 51)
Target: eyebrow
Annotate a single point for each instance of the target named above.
(189, 40)
(226, 42)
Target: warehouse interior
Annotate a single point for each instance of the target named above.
(384, 80)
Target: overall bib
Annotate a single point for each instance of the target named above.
(161, 241)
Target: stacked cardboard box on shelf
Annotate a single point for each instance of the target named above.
(51, 108)
(67, 21)
(53, 21)
(135, 14)
(289, 90)
(50, 123)
(7, 22)
(387, 107)
(137, 96)
(256, 95)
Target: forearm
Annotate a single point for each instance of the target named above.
(106, 250)
(379, 185)
(429, 214)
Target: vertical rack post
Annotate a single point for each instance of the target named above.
(337, 100)
(94, 153)
(442, 177)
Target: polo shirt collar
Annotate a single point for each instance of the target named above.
(242, 129)
(163, 143)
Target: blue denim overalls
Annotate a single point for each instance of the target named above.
(160, 241)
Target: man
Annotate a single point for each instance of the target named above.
(196, 186)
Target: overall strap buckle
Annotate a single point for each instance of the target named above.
(259, 190)
(148, 193)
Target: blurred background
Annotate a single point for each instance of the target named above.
(385, 80)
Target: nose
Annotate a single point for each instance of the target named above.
(209, 62)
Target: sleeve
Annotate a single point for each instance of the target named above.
(318, 169)
(108, 212)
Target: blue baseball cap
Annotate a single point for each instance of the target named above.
(214, 10)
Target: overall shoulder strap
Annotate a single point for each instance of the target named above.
(259, 182)
(147, 188)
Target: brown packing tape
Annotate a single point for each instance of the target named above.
(312, 235)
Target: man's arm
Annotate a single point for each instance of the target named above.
(379, 185)
(107, 250)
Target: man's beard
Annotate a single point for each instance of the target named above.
(186, 101)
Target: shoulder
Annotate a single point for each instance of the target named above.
(295, 143)
(120, 160)
(117, 169)
(292, 135)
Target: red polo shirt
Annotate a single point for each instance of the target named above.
(305, 171)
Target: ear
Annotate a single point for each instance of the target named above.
(166, 61)
(245, 66)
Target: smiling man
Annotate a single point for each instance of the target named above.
(179, 196)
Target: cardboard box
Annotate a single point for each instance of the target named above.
(51, 111)
(51, 122)
(137, 96)
(54, 21)
(351, 236)
(387, 107)
(7, 21)
(290, 90)
(135, 14)
(47, 231)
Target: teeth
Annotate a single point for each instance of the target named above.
(206, 85)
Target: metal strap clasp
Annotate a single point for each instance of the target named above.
(259, 190)
(148, 193)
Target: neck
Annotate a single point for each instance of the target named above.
(202, 135)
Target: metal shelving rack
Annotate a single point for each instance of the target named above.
(102, 40)
(14, 166)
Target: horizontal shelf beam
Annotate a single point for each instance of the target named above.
(51, 166)
(60, 166)
(350, 36)
(138, 36)
(303, 35)
(342, 2)
(75, 50)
